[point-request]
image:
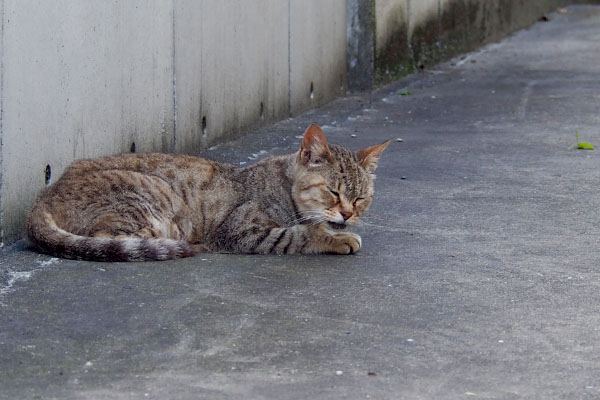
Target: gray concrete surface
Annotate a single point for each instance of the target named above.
(479, 276)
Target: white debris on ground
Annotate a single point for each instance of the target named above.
(15, 277)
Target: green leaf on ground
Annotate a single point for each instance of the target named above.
(404, 92)
(584, 146)
(580, 145)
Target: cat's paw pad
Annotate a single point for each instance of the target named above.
(349, 243)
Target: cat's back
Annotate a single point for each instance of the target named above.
(86, 179)
(160, 164)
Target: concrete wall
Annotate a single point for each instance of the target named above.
(232, 68)
(79, 79)
(85, 78)
(317, 52)
(414, 34)
(88, 78)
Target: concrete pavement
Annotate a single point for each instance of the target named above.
(479, 275)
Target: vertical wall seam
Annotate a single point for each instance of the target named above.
(361, 44)
(409, 34)
(174, 83)
(2, 23)
(408, 19)
(289, 12)
(201, 103)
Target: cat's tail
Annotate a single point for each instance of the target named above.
(49, 238)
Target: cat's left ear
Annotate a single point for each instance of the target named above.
(314, 149)
(369, 156)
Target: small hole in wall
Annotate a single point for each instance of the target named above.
(132, 148)
(203, 126)
(262, 110)
(312, 91)
(48, 174)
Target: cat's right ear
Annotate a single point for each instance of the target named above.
(370, 156)
(314, 149)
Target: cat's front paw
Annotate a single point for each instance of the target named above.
(347, 243)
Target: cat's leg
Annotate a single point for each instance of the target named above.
(175, 232)
(327, 241)
(297, 239)
(250, 230)
(177, 227)
(313, 240)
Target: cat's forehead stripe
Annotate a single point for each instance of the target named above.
(313, 185)
(348, 171)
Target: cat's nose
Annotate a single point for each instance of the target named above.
(346, 215)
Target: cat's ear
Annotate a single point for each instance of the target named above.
(369, 156)
(314, 149)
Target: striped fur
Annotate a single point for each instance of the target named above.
(138, 207)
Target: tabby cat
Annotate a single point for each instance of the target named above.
(136, 207)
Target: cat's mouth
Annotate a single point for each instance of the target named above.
(336, 225)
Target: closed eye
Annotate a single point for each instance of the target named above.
(336, 194)
(358, 199)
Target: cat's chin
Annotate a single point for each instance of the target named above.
(336, 225)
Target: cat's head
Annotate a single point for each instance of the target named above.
(333, 185)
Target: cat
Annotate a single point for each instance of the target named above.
(137, 207)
